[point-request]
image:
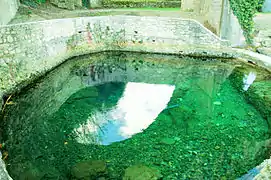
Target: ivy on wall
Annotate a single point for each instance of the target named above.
(260, 5)
(245, 10)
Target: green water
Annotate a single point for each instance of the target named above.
(188, 118)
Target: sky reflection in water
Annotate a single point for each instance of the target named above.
(139, 106)
(248, 80)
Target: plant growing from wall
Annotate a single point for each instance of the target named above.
(260, 5)
(245, 10)
(9, 71)
(107, 36)
(98, 34)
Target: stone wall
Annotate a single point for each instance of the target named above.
(8, 9)
(217, 16)
(263, 40)
(32, 48)
(214, 14)
(263, 33)
(208, 10)
(230, 27)
(187, 5)
(3, 172)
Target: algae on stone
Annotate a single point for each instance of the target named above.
(140, 172)
(91, 169)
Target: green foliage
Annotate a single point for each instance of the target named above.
(260, 5)
(32, 3)
(141, 3)
(245, 10)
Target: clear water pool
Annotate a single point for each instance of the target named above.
(187, 118)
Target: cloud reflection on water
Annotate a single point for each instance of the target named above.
(139, 106)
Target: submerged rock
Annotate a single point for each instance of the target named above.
(218, 103)
(140, 172)
(168, 141)
(33, 174)
(89, 170)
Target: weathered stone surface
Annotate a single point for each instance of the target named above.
(266, 51)
(188, 5)
(230, 28)
(3, 172)
(8, 9)
(95, 3)
(197, 6)
(92, 169)
(140, 172)
(263, 33)
(260, 96)
(267, 42)
(43, 45)
(9, 39)
(217, 16)
(213, 12)
(265, 170)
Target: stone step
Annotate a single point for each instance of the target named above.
(265, 51)
(264, 33)
(267, 43)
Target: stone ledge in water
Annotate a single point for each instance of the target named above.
(91, 169)
(265, 170)
(140, 172)
(265, 51)
(3, 172)
(260, 96)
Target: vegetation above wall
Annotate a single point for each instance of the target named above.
(260, 5)
(141, 3)
(123, 3)
(245, 10)
(32, 3)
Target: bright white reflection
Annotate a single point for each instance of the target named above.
(248, 80)
(139, 106)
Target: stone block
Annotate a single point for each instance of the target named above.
(8, 9)
(265, 51)
(9, 39)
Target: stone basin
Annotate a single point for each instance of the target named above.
(182, 116)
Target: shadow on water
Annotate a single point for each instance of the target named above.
(184, 117)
